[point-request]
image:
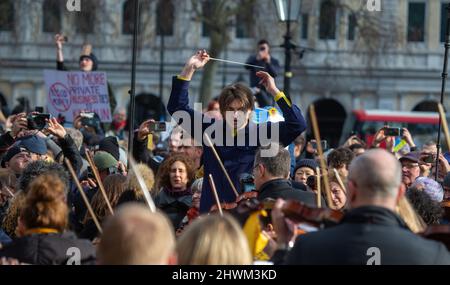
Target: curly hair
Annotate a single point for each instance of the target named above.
(163, 177)
(37, 168)
(45, 204)
(430, 211)
(340, 157)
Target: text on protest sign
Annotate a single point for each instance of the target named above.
(70, 93)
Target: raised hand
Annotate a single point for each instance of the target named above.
(19, 123)
(144, 130)
(195, 62)
(268, 82)
(56, 129)
(59, 41)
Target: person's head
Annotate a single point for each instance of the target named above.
(197, 192)
(340, 159)
(192, 149)
(88, 61)
(410, 168)
(338, 195)
(432, 188)
(299, 144)
(236, 105)
(114, 186)
(303, 169)
(146, 174)
(430, 211)
(105, 163)
(45, 205)
(213, 240)
(270, 167)
(39, 168)
(375, 179)
(429, 147)
(263, 46)
(136, 236)
(120, 114)
(111, 146)
(24, 151)
(176, 172)
(76, 135)
(357, 149)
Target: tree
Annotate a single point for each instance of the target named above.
(217, 16)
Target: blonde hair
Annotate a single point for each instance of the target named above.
(148, 176)
(136, 236)
(414, 222)
(213, 240)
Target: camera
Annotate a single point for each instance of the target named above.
(323, 143)
(37, 121)
(247, 182)
(393, 132)
(428, 158)
(89, 119)
(157, 127)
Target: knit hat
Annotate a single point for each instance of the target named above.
(87, 53)
(431, 187)
(111, 146)
(104, 160)
(310, 163)
(32, 144)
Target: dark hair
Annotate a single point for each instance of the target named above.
(263, 41)
(430, 211)
(236, 91)
(40, 167)
(340, 157)
(356, 146)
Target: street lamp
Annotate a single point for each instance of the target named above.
(288, 11)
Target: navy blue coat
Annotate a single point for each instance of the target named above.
(237, 159)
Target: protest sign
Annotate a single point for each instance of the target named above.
(73, 92)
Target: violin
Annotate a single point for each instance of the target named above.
(233, 205)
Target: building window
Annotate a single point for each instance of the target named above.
(416, 22)
(443, 20)
(6, 15)
(165, 18)
(52, 16)
(206, 11)
(327, 27)
(85, 19)
(244, 25)
(351, 27)
(305, 19)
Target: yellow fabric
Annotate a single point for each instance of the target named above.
(282, 95)
(41, 231)
(182, 78)
(256, 240)
(200, 173)
(150, 142)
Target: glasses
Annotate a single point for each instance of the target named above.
(410, 165)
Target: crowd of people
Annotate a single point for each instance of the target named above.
(223, 203)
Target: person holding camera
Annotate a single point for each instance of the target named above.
(271, 66)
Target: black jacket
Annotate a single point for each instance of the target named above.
(359, 236)
(49, 249)
(143, 155)
(282, 188)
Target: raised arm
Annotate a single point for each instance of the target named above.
(59, 41)
(294, 123)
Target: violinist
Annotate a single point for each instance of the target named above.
(271, 177)
(371, 232)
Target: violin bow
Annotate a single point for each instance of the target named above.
(323, 166)
(142, 185)
(339, 179)
(99, 181)
(216, 196)
(444, 124)
(319, 200)
(83, 195)
(208, 140)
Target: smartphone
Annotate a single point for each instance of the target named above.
(393, 132)
(157, 127)
(39, 109)
(37, 121)
(247, 182)
(88, 119)
(428, 158)
(324, 144)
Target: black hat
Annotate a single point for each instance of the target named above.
(111, 146)
(310, 163)
(92, 57)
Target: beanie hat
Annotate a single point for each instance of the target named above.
(33, 144)
(87, 53)
(111, 146)
(104, 160)
(12, 151)
(310, 163)
(431, 187)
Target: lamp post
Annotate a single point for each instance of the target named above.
(287, 12)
